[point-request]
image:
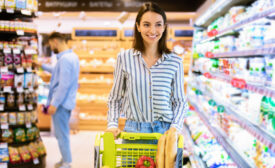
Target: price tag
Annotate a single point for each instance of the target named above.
(30, 51)
(7, 89)
(1, 107)
(30, 107)
(10, 10)
(4, 69)
(7, 50)
(28, 125)
(20, 89)
(29, 69)
(3, 165)
(4, 126)
(26, 12)
(35, 161)
(20, 32)
(22, 108)
(16, 51)
(20, 70)
(3, 145)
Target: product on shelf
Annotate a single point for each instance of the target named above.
(33, 150)
(20, 118)
(12, 118)
(4, 118)
(4, 153)
(19, 135)
(24, 153)
(7, 135)
(14, 155)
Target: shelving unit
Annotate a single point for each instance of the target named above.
(18, 94)
(214, 64)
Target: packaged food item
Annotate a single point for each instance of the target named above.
(20, 118)
(7, 135)
(29, 5)
(4, 153)
(27, 80)
(12, 118)
(36, 132)
(14, 155)
(2, 101)
(4, 118)
(41, 148)
(20, 99)
(33, 116)
(2, 3)
(19, 135)
(10, 101)
(20, 4)
(28, 117)
(9, 3)
(7, 79)
(8, 60)
(2, 57)
(24, 153)
(31, 133)
(18, 80)
(33, 150)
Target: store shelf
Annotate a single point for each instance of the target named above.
(257, 131)
(222, 139)
(99, 69)
(266, 91)
(18, 144)
(16, 13)
(247, 53)
(258, 15)
(196, 161)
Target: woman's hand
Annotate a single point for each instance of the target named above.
(114, 131)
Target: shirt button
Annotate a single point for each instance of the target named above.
(150, 97)
(150, 83)
(149, 72)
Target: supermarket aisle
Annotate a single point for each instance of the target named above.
(81, 145)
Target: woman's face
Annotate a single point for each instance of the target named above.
(151, 27)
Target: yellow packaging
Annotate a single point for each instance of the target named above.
(2, 2)
(9, 3)
(30, 5)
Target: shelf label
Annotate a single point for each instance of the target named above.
(22, 108)
(35, 161)
(7, 88)
(28, 125)
(4, 126)
(1, 107)
(4, 69)
(30, 51)
(20, 89)
(10, 10)
(20, 32)
(30, 107)
(3, 165)
(29, 69)
(7, 50)
(16, 51)
(26, 12)
(20, 70)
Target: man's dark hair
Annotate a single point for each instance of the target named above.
(56, 35)
(138, 41)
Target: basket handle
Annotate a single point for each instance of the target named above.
(139, 136)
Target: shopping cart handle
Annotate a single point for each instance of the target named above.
(139, 136)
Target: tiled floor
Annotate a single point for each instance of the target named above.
(81, 146)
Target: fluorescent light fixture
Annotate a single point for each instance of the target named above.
(213, 9)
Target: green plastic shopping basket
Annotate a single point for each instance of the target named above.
(111, 153)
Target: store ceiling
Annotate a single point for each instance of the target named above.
(117, 5)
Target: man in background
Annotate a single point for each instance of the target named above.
(62, 93)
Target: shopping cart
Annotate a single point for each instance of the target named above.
(114, 153)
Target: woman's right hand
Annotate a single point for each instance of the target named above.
(114, 131)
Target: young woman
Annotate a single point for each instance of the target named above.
(148, 80)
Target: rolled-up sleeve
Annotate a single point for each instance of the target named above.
(47, 68)
(180, 105)
(115, 96)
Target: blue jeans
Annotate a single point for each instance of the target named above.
(62, 132)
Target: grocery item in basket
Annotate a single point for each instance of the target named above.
(171, 148)
(14, 155)
(160, 156)
(7, 135)
(19, 135)
(24, 153)
(145, 161)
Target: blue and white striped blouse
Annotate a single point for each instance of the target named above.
(147, 95)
